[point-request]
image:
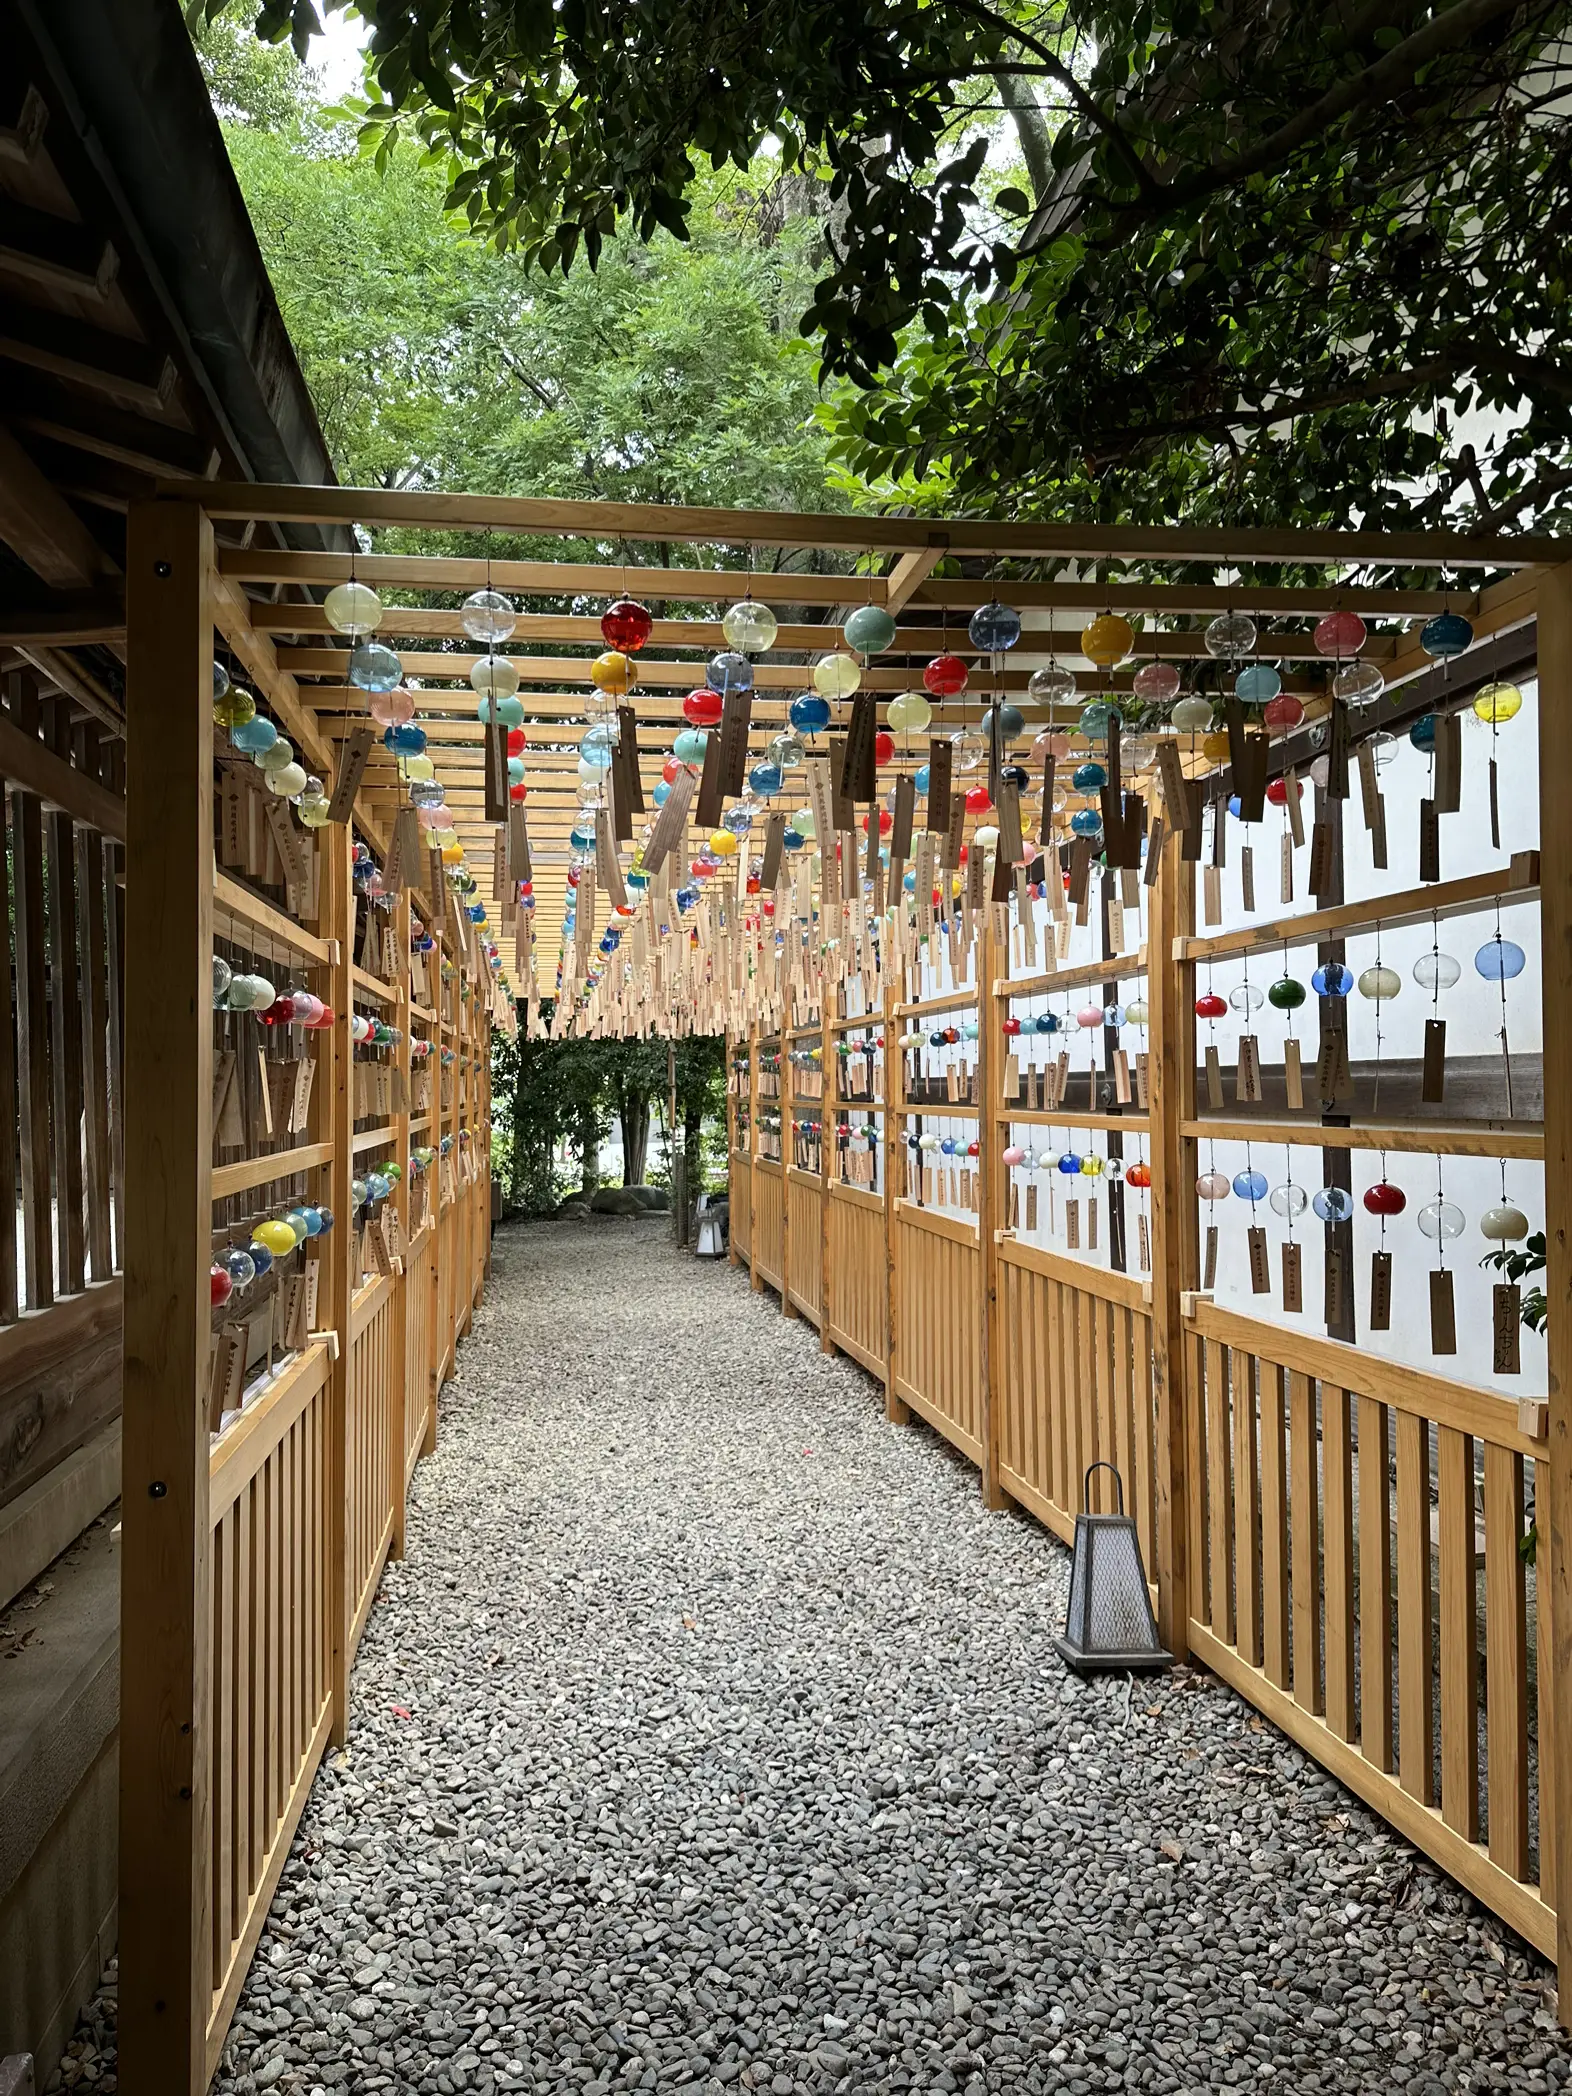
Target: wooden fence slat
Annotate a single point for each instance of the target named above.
(1375, 1584)
(1415, 1744)
(32, 1020)
(1459, 1635)
(1305, 1541)
(1247, 1509)
(1337, 1498)
(65, 1032)
(1220, 1526)
(1506, 1649)
(10, 1304)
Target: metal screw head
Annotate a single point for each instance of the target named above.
(157, 1489)
(163, 569)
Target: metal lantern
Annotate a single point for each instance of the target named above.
(1110, 1626)
(712, 1240)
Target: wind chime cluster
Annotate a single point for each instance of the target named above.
(356, 611)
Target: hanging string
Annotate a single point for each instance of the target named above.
(1375, 1095)
(1501, 983)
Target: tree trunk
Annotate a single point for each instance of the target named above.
(634, 1114)
(589, 1150)
(692, 1129)
(1031, 128)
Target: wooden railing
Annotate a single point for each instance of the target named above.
(1336, 1552)
(1076, 1388)
(937, 1355)
(269, 1440)
(858, 1320)
(1346, 1540)
(805, 1242)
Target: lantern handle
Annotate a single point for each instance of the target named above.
(1086, 1486)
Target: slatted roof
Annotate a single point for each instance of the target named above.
(788, 561)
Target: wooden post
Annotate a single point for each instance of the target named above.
(753, 1156)
(896, 1409)
(1171, 1032)
(401, 1286)
(1555, 889)
(786, 1103)
(165, 1602)
(428, 1440)
(829, 1093)
(990, 1213)
(338, 888)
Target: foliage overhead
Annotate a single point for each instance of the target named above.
(1255, 247)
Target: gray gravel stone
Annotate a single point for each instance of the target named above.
(737, 1758)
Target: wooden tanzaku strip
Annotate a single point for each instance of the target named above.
(1482, 1413)
(1516, 882)
(262, 1171)
(237, 913)
(658, 521)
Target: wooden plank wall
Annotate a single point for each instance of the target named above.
(61, 1135)
(254, 1535)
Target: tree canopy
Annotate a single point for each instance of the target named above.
(1121, 257)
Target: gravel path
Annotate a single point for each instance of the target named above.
(711, 1738)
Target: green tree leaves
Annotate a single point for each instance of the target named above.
(1246, 222)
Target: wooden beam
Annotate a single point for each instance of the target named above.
(654, 521)
(87, 619)
(87, 423)
(62, 673)
(62, 254)
(40, 526)
(132, 372)
(909, 571)
(424, 622)
(165, 1638)
(31, 764)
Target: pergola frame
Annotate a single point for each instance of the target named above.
(180, 590)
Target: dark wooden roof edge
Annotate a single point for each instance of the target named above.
(125, 73)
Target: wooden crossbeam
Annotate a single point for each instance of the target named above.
(677, 523)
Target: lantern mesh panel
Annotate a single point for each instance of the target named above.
(1109, 1621)
(1116, 1611)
